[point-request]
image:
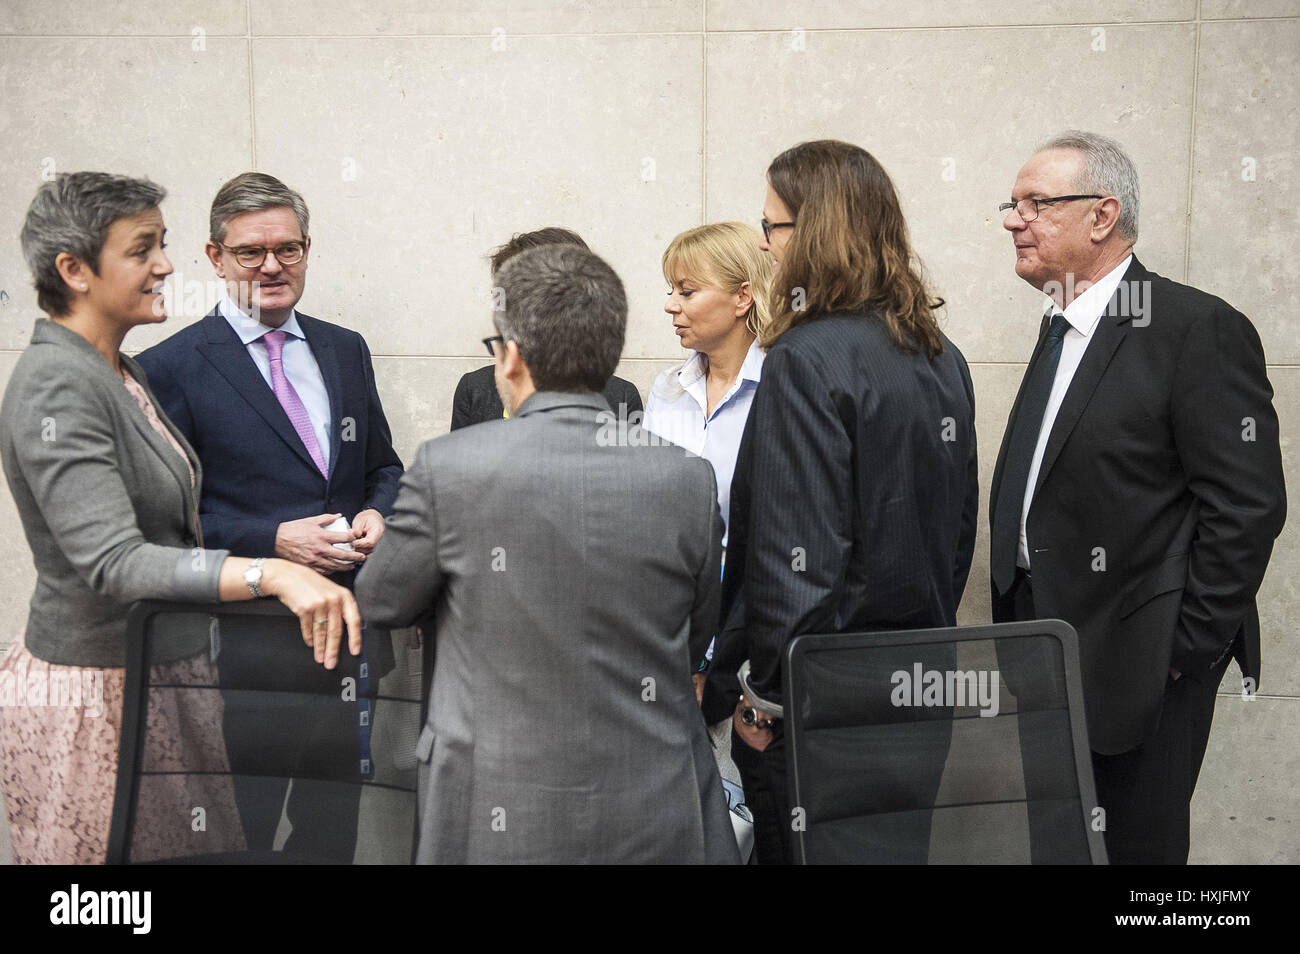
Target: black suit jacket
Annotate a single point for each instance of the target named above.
(257, 473)
(1157, 502)
(855, 497)
(477, 400)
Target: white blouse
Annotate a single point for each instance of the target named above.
(677, 411)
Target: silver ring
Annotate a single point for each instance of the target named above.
(322, 621)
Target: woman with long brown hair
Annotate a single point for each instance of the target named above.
(856, 492)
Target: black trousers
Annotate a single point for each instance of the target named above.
(1145, 793)
(764, 780)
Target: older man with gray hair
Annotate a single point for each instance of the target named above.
(1136, 496)
(573, 581)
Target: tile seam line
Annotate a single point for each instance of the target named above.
(252, 85)
(473, 357)
(735, 31)
(704, 112)
(470, 357)
(1191, 147)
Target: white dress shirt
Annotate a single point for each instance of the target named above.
(1082, 314)
(678, 411)
(300, 366)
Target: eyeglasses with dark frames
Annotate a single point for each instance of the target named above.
(769, 226)
(252, 256)
(487, 343)
(1027, 209)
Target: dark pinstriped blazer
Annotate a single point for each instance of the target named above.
(855, 497)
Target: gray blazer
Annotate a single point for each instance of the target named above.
(105, 502)
(573, 583)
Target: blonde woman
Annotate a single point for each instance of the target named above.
(719, 283)
(718, 293)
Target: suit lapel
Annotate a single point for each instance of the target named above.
(223, 349)
(327, 359)
(161, 446)
(1112, 328)
(1011, 420)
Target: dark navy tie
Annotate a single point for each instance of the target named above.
(1020, 456)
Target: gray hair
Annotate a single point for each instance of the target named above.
(253, 192)
(566, 310)
(1107, 170)
(72, 213)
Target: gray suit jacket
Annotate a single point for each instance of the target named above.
(105, 503)
(573, 583)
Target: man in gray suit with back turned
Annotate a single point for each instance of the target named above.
(573, 576)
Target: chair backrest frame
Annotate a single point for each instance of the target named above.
(136, 699)
(799, 649)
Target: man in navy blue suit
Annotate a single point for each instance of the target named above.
(284, 414)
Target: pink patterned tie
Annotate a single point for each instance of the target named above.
(289, 399)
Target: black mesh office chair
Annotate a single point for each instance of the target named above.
(213, 741)
(962, 746)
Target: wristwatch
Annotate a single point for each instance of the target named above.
(253, 577)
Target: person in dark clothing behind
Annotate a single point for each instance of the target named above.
(476, 397)
(858, 460)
